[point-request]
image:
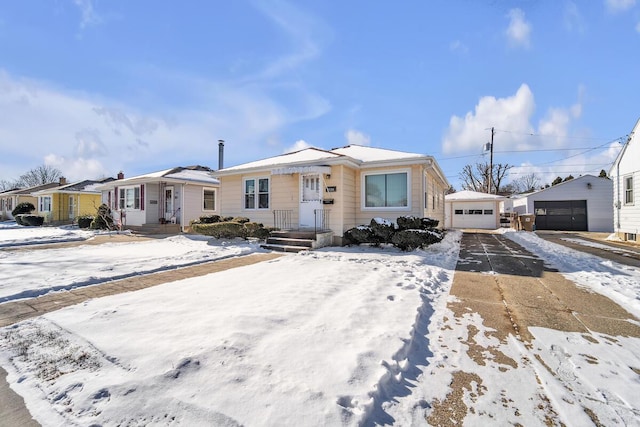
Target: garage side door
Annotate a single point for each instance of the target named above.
(566, 215)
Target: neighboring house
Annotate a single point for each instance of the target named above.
(625, 174)
(580, 204)
(471, 209)
(333, 190)
(178, 196)
(63, 203)
(10, 199)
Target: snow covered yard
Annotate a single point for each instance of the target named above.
(338, 336)
(319, 338)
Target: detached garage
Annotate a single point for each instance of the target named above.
(581, 204)
(470, 209)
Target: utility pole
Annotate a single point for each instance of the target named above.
(493, 132)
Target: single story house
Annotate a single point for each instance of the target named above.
(625, 174)
(471, 209)
(333, 190)
(174, 196)
(580, 204)
(12, 198)
(64, 202)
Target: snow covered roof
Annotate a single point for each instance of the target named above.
(358, 155)
(86, 186)
(196, 174)
(308, 155)
(468, 196)
(372, 154)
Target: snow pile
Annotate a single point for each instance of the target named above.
(12, 234)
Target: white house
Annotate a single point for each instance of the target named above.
(333, 190)
(625, 174)
(178, 196)
(580, 204)
(471, 209)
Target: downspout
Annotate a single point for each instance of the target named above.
(182, 197)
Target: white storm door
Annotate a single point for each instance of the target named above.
(168, 202)
(72, 207)
(310, 199)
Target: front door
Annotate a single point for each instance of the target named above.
(168, 203)
(72, 207)
(310, 199)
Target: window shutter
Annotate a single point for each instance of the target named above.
(142, 197)
(116, 197)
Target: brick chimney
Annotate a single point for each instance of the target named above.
(63, 181)
(120, 175)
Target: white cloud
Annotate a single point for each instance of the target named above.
(573, 19)
(615, 6)
(511, 117)
(469, 133)
(88, 13)
(90, 136)
(519, 30)
(458, 46)
(297, 146)
(357, 138)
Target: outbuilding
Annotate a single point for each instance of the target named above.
(580, 204)
(471, 209)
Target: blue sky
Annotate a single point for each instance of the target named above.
(94, 87)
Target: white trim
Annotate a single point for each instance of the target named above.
(363, 190)
(301, 170)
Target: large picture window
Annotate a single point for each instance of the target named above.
(44, 204)
(628, 190)
(129, 198)
(209, 199)
(389, 190)
(256, 193)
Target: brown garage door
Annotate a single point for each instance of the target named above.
(569, 215)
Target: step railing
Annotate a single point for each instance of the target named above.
(282, 219)
(322, 219)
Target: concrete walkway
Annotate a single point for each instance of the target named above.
(12, 407)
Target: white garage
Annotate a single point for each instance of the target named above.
(470, 209)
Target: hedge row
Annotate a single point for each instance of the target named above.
(229, 227)
(408, 234)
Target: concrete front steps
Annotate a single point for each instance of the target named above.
(297, 241)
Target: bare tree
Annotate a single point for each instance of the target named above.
(8, 185)
(476, 177)
(526, 183)
(42, 174)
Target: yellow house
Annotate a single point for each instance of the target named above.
(334, 190)
(64, 203)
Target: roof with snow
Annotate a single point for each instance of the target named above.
(358, 155)
(308, 155)
(195, 174)
(86, 186)
(470, 196)
(29, 190)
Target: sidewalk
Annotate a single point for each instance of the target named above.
(12, 408)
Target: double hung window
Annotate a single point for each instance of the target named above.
(256, 193)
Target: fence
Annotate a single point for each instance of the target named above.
(322, 219)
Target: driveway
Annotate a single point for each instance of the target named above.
(512, 291)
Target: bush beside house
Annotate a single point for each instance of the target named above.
(229, 227)
(408, 234)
